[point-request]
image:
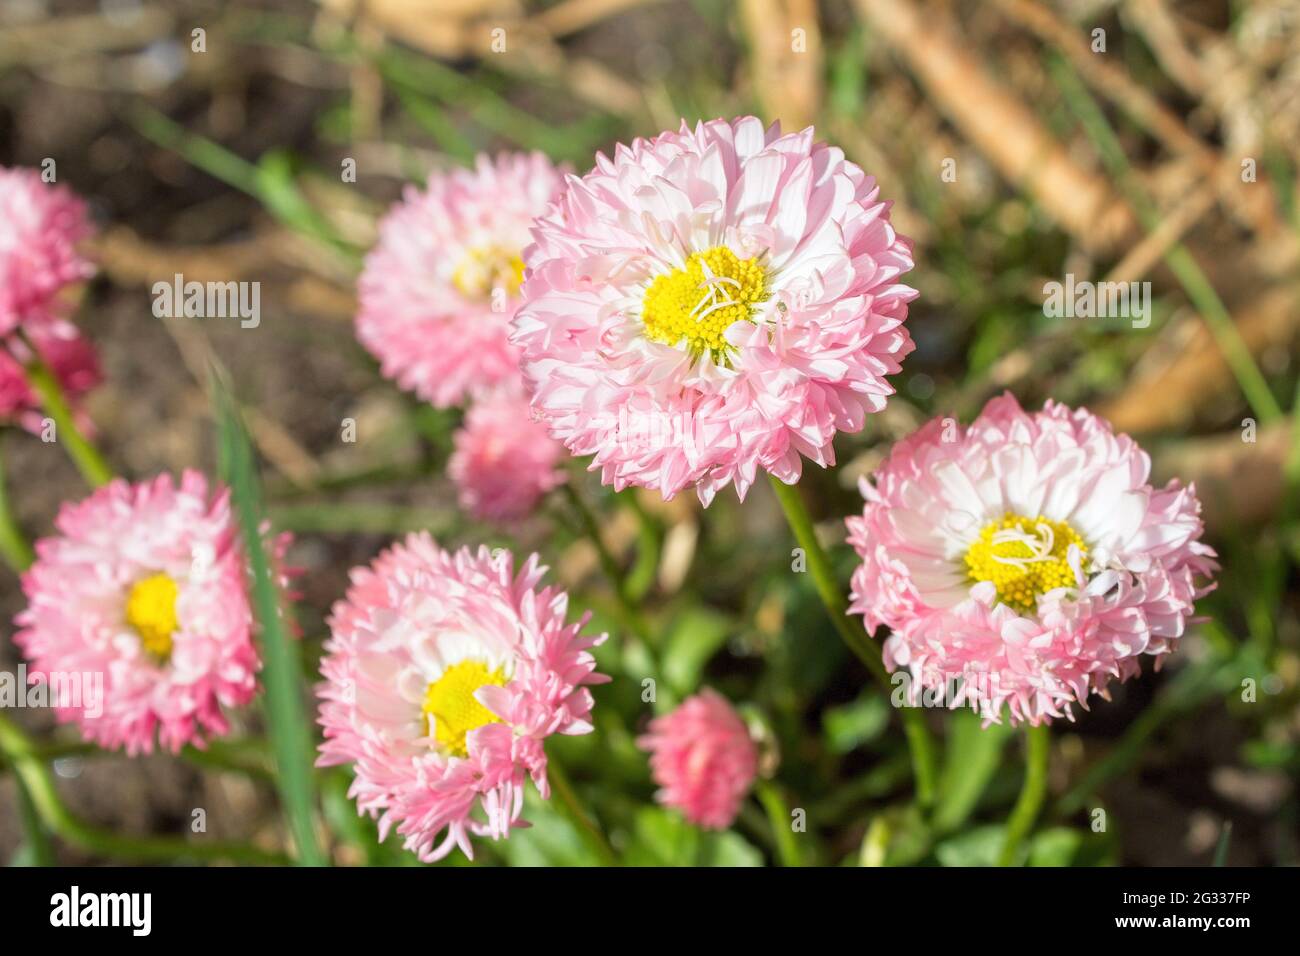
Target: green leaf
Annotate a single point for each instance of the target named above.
(277, 187)
(437, 123)
(550, 840)
(1065, 846)
(854, 724)
(663, 838)
(1055, 847)
(697, 634)
(971, 758)
(1221, 850)
(977, 847)
(291, 739)
(897, 836)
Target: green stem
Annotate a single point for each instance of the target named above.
(1038, 742)
(778, 817)
(20, 752)
(648, 549)
(38, 841)
(919, 740)
(584, 821)
(14, 548)
(631, 614)
(84, 455)
(18, 555)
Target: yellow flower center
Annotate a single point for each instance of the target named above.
(450, 708)
(1024, 557)
(484, 269)
(151, 610)
(699, 302)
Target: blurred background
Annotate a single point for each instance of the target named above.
(1143, 141)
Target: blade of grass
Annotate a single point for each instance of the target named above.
(435, 121)
(290, 735)
(1221, 850)
(490, 110)
(1180, 261)
(778, 817)
(270, 181)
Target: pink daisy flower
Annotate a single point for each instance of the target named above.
(712, 302)
(70, 357)
(703, 759)
(1025, 560)
(445, 674)
(439, 290)
(503, 460)
(145, 585)
(40, 228)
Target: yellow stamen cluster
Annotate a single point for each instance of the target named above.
(699, 302)
(450, 708)
(151, 610)
(484, 269)
(1023, 557)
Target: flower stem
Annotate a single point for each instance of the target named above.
(584, 821)
(778, 817)
(84, 455)
(38, 841)
(628, 611)
(919, 740)
(18, 750)
(15, 550)
(18, 555)
(1038, 742)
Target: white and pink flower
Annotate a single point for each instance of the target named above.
(445, 674)
(41, 228)
(147, 586)
(1025, 560)
(711, 303)
(71, 359)
(703, 759)
(503, 460)
(442, 284)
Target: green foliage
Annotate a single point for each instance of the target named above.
(283, 675)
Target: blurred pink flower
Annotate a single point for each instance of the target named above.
(703, 759)
(70, 357)
(146, 586)
(40, 228)
(1025, 560)
(504, 461)
(439, 290)
(444, 675)
(713, 302)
